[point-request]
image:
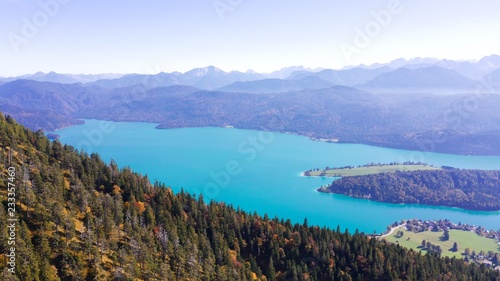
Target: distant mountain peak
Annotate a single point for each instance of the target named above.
(199, 72)
(296, 68)
(430, 78)
(491, 60)
(287, 71)
(492, 56)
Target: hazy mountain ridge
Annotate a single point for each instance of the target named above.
(430, 79)
(275, 85)
(63, 78)
(349, 77)
(211, 77)
(464, 73)
(308, 105)
(206, 78)
(471, 69)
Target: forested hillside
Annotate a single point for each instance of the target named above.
(81, 219)
(467, 189)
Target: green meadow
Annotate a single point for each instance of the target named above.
(464, 239)
(372, 169)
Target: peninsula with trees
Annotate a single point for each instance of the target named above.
(418, 184)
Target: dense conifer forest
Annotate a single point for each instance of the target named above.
(467, 189)
(82, 219)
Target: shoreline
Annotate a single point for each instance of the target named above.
(391, 231)
(311, 138)
(412, 204)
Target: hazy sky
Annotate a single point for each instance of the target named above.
(124, 36)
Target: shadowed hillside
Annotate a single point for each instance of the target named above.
(460, 124)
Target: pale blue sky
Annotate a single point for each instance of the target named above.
(124, 36)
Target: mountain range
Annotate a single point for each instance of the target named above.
(470, 69)
(419, 105)
(62, 78)
(424, 74)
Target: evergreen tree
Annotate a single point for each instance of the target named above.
(271, 273)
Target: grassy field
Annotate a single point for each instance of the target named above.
(368, 170)
(464, 239)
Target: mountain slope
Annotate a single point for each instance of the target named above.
(148, 81)
(492, 81)
(345, 77)
(421, 79)
(470, 69)
(31, 94)
(277, 85)
(286, 72)
(63, 78)
(80, 219)
(205, 78)
(42, 104)
(211, 77)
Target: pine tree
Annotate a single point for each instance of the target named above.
(271, 273)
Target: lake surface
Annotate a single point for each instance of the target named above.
(261, 171)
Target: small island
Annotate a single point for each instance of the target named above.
(472, 243)
(416, 183)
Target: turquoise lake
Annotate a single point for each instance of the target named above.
(261, 171)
